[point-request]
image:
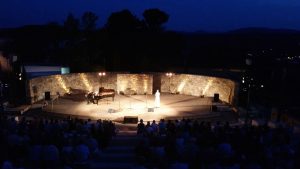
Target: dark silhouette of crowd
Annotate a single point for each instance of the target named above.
(204, 145)
(29, 142)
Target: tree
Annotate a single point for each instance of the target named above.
(71, 23)
(123, 21)
(88, 20)
(155, 18)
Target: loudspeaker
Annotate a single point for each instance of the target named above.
(214, 108)
(150, 109)
(216, 97)
(131, 119)
(47, 96)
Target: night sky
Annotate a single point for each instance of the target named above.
(185, 15)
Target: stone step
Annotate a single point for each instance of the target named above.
(119, 149)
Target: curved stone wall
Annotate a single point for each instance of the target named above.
(195, 85)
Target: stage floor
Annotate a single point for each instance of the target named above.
(142, 106)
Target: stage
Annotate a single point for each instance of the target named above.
(142, 106)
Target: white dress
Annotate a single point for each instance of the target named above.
(157, 99)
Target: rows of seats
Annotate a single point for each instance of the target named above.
(51, 143)
(183, 144)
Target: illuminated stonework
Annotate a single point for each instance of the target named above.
(86, 82)
(134, 83)
(195, 85)
(62, 83)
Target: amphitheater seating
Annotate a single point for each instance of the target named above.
(52, 143)
(179, 144)
(192, 144)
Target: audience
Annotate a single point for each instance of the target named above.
(190, 144)
(51, 143)
(32, 142)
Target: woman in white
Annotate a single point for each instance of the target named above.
(157, 99)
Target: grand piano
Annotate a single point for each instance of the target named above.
(103, 93)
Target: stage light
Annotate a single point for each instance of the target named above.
(169, 74)
(101, 74)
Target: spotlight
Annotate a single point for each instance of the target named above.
(102, 74)
(169, 74)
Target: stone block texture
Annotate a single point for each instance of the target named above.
(195, 85)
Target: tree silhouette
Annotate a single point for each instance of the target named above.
(155, 18)
(123, 21)
(71, 23)
(89, 21)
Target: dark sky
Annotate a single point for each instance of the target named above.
(185, 15)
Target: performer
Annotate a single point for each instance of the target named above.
(157, 99)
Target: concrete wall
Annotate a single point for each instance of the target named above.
(195, 85)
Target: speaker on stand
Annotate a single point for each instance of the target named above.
(216, 97)
(47, 96)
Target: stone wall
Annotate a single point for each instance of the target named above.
(62, 83)
(134, 83)
(195, 85)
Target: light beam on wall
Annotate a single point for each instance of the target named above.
(145, 81)
(134, 81)
(85, 81)
(207, 86)
(181, 86)
(62, 83)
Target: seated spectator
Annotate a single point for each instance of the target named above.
(67, 152)
(50, 156)
(92, 145)
(158, 153)
(162, 127)
(35, 155)
(154, 127)
(141, 128)
(149, 129)
(81, 153)
(224, 150)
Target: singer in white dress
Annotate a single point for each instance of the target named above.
(157, 99)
